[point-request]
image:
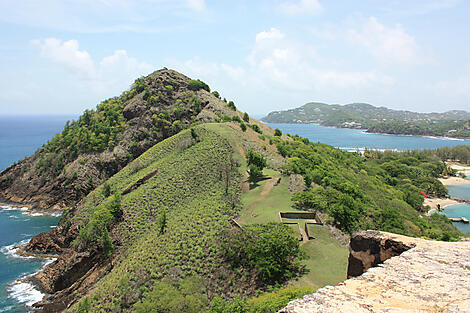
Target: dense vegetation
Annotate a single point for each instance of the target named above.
(459, 153)
(377, 119)
(380, 190)
(460, 129)
(172, 228)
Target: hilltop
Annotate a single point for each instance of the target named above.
(103, 141)
(454, 123)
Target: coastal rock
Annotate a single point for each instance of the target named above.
(428, 276)
(43, 244)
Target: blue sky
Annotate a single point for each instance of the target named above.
(64, 56)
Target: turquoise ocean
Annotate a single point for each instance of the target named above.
(21, 136)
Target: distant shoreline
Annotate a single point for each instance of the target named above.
(366, 130)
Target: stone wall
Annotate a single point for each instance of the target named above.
(399, 274)
(369, 248)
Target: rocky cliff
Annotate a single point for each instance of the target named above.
(401, 274)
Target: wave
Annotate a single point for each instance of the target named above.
(12, 208)
(444, 138)
(24, 292)
(362, 149)
(12, 250)
(21, 290)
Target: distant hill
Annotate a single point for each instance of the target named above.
(454, 123)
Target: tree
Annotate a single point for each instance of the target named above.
(216, 93)
(246, 117)
(243, 126)
(232, 105)
(197, 85)
(255, 173)
(277, 132)
(271, 249)
(256, 159)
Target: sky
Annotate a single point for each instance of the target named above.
(65, 56)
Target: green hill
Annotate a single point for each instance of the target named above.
(102, 141)
(453, 123)
(192, 223)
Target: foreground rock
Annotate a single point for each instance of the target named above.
(428, 276)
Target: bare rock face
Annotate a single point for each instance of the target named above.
(428, 276)
(368, 249)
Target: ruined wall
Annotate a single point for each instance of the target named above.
(399, 274)
(369, 248)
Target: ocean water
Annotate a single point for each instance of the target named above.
(17, 227)
(352, 139)
(462, 209)
(21, 136)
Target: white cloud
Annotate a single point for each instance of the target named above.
(302, 7)
(283, 72)
(273, 33)
(198, 5)
(389, 45)
(66, 54)
(112, 74)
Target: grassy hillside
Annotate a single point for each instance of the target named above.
(102, 141)
(377, 119)
(189, 188)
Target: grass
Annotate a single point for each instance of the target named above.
(189, 187)
(263, 203)
(326, 262)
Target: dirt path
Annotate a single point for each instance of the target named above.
(268, 186)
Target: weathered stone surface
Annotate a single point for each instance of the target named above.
(432, 276)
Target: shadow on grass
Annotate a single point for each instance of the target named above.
(255, 184)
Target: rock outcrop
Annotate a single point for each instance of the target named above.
(416, 275)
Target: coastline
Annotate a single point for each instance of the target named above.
(23, 289)
(445, 202)
(366, 130)
(27, 209)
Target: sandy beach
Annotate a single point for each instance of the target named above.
(433, 202)
(465, 169)
(454, 181)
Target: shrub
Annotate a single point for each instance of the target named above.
(256, 159)
(235, 305)
(232, 105)
(243, 126)
(197, 85)
(115, 206)
(271, 249)
(273, 301)
(187, 295)
(106, 190)
(277, 132)
(235, 118)
(255, 173)
(216, 93)
(255, 128)
(246, 117)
